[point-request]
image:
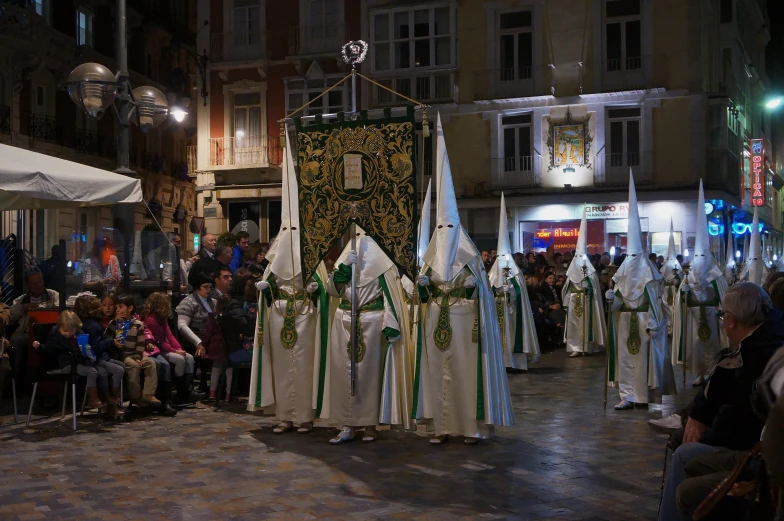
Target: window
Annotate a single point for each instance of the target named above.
(84, 27)
(623, 35)
(324, 19)
(247, 120)
(300, 91)
(40, 98)
(715, 126)
(517, 133)
(247, 18)
(726, 11)
(733, 134)
(413, 39)
(516, 46)
(624, 137)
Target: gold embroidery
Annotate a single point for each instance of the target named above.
(289, 335)
(578, 303)
(634, 341)
(443, 333)
(703, 330)
(361, 347)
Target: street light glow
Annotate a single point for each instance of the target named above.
(774, 103)
(737, 254)
(179, 114)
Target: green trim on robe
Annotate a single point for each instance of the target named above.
(324, 318)
(589, 303)
(389, 332)
(518, 337)
(611, 353)
(264, 296)
(342, 275)
(480, 388)
(418, 366)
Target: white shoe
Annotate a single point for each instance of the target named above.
(344, 436)
(698, 382)
(624, 406)
(575, 354)
(667, 424)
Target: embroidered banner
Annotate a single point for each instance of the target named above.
(357, 172)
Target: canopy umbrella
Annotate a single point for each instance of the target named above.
(32, 181)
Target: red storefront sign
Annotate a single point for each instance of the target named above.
(562, 236)
(757, 172)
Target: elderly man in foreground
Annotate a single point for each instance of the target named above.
(37, 295)
(721, 415)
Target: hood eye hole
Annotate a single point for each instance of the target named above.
(293, 227)
(284, 228)
(634, 254)
(359, 235)
(440, 226)
(450, 226)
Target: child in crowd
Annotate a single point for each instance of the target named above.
(108, 308)
(129, 341)
(163, 368)
(157, 311)
(212, 340)
(89, 311)
(62, 345)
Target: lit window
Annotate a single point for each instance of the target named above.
(413, 38)
(84, 27)
(624, 136)
(517, 135)
(299, 91)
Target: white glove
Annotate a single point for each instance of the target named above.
(351, 258)
(312, 287)
(470, 282)
(685, 288)
(423, 280)
(262, 285)
(609, 295)
(393, 339)
(507, 288)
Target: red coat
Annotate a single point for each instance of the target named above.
(212, 340)
(162, 335)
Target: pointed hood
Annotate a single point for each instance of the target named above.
(671, 265)
(284, 253)
(424, 226)
(450, 247)
(703, 267)
(729, 261)
(504, 251)
(754, 269)
(575, 270)
(372, 262)
(637, 269)
(746, 248)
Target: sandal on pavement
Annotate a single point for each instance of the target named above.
(305, 428)
(283, 427)
(471, 441)
(624, 406)
(370, 435)
(344, 436)
(439, 440)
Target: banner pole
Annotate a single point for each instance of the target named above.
(354, 266)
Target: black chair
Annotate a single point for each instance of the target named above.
(68, 374)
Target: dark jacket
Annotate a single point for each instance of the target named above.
(235, 324)
(102, 346)
(63, 350)
(548, 295)
(202, 270)
(724, 404)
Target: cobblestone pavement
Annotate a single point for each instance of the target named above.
(566, 458)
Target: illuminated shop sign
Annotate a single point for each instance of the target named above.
(757, 172)
(744, 228)
(607, 211)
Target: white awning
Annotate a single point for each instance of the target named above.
(30, 181)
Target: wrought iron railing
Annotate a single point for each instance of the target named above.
(87, 142)
(513, 82)
(43, 128)
(192, 158)
(613, 168)
(245, 151)
(432, 87)
(516, 172)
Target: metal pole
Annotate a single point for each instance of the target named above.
(354, 267)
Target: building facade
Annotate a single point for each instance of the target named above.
(266, 60)
(555, 102)
(41, 41)
(552, 102)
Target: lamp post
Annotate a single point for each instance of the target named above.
(94, 89)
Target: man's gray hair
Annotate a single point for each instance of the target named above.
(748, 303)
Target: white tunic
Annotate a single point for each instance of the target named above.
(449, 374)
(698, 335)
(363, 408)
(292, 367)
(586, 329)
(638, 353)
(518, 333)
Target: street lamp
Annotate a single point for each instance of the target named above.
(774, 103)
(178, 114)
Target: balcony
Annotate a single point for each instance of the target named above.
(625, 74)
(245, 152)
(239, 46)
(517, 82)
(43, 128)
(613, 169)
(316, 39)
(432, 88)
(5, 119)
(516, 172)
(724, 172)
(191, 159)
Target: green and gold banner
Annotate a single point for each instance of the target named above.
(358, 171)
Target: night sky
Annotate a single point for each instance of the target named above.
(775, 50)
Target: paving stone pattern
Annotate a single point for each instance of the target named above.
(565, 459)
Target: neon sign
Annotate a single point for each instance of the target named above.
(757, 172)
(744, 228)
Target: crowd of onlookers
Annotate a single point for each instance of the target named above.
(155, 351)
